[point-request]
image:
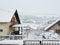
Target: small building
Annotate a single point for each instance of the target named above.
(54, 26)
(7, 20)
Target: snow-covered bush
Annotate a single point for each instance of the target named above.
(50, 35)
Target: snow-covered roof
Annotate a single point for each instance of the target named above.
(52, 24)
(20, 25)
(5, 16)
(33, 26)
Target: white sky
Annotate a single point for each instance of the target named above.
(32, 7)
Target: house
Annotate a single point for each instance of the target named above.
(54, 26)
(7, 20)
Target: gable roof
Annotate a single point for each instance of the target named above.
(51, 25)
(17, 17)
(6, 16)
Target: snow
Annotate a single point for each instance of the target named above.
(52, 24)
(51, 35)
(32, 26)
(33, 34)
(5, 16)
(20, 25)
(12, 42)
(36, 28)
(40, 34)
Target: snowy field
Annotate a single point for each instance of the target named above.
(12, 42)
(40, 21)
(34, 34)
(37, 25)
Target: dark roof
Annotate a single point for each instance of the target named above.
(17, 17)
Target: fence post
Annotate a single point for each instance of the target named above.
(40, 42)
(23, 42)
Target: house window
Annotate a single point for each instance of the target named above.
(1, 30)
(57, 31)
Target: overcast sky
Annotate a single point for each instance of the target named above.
(32, 7)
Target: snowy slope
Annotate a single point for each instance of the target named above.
(37, 24)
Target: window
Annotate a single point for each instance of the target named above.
(57, 31)
(1, 30)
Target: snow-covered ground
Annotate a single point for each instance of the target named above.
(40, 21)
(39, 34)
(37, 25)
(16, 42)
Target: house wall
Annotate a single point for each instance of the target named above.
(55, 27)
(13, 22)
(7, 26)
